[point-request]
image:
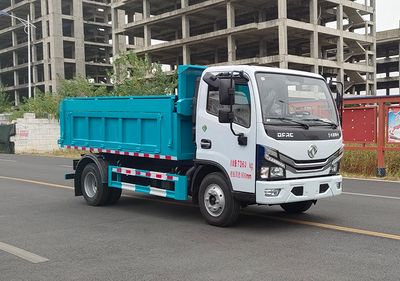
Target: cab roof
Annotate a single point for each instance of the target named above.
(251, 69)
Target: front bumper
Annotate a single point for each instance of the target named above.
(312, 189)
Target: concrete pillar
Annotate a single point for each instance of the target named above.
(147, 28)
(15, 57)
(119, 43)
(46, 40)
(146, 9)
(282, 33)
(230, 18)
(186, 54)
(314, 35)
(373, 49)
(56, 43)
(138, 40)
(184, 3)
(147, 36)
(79, 38)
(399, 61)
(34, 51)
(185, 33)
(340, 43)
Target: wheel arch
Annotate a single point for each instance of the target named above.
(203, 168)
(85, 160)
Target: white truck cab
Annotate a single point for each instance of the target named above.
(278, 138)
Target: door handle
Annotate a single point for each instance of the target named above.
(205, 144)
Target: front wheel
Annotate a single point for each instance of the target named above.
(297, 207)
(216, 202)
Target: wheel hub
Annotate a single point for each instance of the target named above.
(214, 200)
(90, 184)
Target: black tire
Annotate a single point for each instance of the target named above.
(297, 207)
(113, 195)
(231, 209)
(99, 195)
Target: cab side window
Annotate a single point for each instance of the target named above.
(241, 108)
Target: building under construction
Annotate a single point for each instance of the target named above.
(388, 62)
(70, 38)
(333, 37)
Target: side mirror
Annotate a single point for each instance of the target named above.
(226, 91)
(211, 80)
(338, 96)
(225, 117)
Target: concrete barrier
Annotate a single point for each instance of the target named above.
(36, 135)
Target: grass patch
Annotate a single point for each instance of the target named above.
(64, 153)
(363, 163)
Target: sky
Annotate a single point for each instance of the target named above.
(387, 14)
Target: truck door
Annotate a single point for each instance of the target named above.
(216, 142)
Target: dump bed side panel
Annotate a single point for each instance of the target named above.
(128, 124)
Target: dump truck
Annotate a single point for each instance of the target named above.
(231, 136)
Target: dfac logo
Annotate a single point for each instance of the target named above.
(312, 150)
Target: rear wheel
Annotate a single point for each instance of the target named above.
(94, 191)
(216, 202)
(297, 207)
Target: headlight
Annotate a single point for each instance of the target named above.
(276, 172)
(264, 172)
(334, 168)
(270, 167)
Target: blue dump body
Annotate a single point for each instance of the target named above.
(159, 125)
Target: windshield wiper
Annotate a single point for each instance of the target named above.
(334, 125)
(304, 125)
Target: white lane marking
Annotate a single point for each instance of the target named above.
(8, 160)
(65, 166)
(28, 256)
(371, 195)
(37, 182)
(378, 180)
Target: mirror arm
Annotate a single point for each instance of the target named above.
(242, 139)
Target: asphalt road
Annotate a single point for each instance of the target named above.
(352, 237)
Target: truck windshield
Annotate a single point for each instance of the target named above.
(290, 100)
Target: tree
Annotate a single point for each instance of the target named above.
(80, 87)
(5, 104)
(134, 76)
(43, 105)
